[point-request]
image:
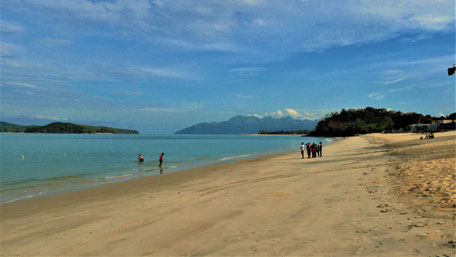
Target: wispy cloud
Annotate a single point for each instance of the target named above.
(174, 109)
(20, 84)
(49, 117)
(161, 72)
(395, 90)
(185, 44)
(129, 93)
(394, 81)
(224, 25)
(9, 27)
(245, 96)
(10, 49)
(53, 42)
(376, 96)
(247, 70)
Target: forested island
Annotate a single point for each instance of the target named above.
(63, 127)
(370, 120)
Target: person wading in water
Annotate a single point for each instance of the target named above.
(160, 160)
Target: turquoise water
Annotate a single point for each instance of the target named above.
(40, 164)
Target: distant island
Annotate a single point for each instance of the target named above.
(249, 125)
(371, 120)
(63, 127)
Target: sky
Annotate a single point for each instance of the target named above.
(159, 66)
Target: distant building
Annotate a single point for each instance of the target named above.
(434, 126)
(447, 124)
(443, 124)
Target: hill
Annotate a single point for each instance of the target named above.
(249, 125)
(63, 127)
(10, 127)
(366, 120)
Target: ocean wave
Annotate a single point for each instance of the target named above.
(35, 180)
(232, 157)
(119, 176)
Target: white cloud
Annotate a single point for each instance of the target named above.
(376, 96)
(9, 49)
(10, 27)
(54, 42)
(394, 81)
(301, 114)
(441, 114)
(293, 113)
(161, 72)
(259, 22)
(432, 21)
(20, 84)
(48, 117)
(247, 70)
(244, 96)
(230, 25)
(395, 90)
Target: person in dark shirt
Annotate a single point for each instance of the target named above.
(320, 148)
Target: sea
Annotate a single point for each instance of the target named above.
(34, 165)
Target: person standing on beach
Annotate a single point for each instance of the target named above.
(160, 160)
(308, 150)
(140, 158)
(314, 150)
(321, 148)
(302, 150)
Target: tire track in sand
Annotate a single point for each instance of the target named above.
(208, 191)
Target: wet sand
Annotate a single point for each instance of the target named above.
(373, 195)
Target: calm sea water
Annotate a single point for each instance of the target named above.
(40, 164)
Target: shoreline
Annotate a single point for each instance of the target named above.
(133, 175)
(345, 203)
(79, 193)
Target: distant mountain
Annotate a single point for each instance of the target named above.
(249, 125)
(63, 127)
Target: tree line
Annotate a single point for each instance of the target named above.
(367, 120)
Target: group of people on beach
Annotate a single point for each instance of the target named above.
(160, 159)
(313, 150)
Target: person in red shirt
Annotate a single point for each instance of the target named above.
(314, 150)
(160, 160)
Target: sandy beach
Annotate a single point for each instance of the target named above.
(372, 195)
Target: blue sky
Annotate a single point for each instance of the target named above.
(159, 66)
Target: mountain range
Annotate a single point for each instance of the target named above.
(249, 125)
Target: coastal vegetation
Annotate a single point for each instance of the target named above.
(63, 127)
(368, 120)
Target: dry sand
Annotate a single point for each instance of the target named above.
(374, 195)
